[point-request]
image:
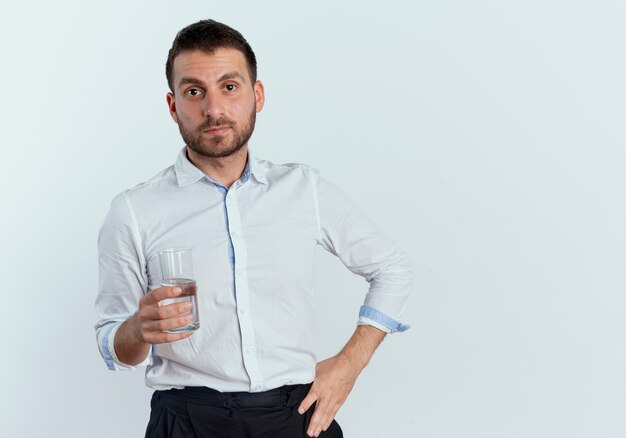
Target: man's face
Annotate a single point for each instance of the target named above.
(214, 102)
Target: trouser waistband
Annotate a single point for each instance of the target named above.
(283, 396)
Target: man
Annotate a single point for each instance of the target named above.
(250, 369)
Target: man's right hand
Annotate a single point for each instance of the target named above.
(146, 327)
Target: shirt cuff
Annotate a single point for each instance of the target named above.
(370, 316)
(108, 351)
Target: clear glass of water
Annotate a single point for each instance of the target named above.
(177, 270)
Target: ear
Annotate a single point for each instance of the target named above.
(259, 94)
(171, 103)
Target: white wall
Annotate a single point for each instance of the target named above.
(487, 137)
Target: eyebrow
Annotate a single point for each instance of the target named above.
(189, 80)
(226, 76)
(232, 75)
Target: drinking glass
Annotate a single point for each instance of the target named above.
(177, 270)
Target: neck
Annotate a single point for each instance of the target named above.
(224, 170)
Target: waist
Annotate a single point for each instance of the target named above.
(284, 395)
(228, 373)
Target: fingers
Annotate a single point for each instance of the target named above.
(323, 415)
(167, 311)
(155, 318)
(154, 331)
(162, 293)
(163, 337)
(322, 418)
(333, 413)
(161, 325)
(310, 398)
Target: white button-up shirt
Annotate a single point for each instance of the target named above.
(253, 255)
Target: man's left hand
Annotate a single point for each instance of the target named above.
(334, 379)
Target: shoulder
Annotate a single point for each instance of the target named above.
(125, 204)
(150, 188)
(273, 170)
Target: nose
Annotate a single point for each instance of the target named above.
(213, 104)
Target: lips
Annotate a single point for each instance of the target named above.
(217, 130)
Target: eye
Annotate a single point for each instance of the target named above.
(230, 87)
(193, 92)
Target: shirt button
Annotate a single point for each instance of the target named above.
(249, 350)
(241, 311)
(238, 271)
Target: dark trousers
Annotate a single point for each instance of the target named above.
(197, 412)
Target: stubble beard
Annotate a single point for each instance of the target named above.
(217, 147)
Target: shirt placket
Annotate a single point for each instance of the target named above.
(242, 295)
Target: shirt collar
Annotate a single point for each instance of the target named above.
(187, 173)
(255, 168)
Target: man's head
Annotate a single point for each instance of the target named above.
(207, 36)
(214, 97)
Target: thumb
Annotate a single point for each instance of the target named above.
(310, 398)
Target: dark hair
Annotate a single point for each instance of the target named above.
(208, 36)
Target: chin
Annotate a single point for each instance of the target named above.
(214, 152)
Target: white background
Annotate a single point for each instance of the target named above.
(486, 137)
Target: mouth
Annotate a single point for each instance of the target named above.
(217, 131)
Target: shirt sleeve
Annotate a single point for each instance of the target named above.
(345, 231)
(122, 277)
